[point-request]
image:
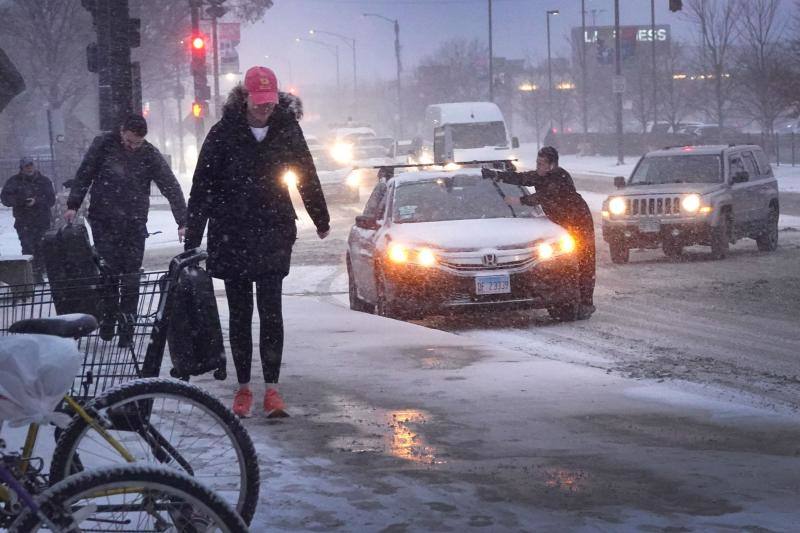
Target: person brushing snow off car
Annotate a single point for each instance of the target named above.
(562, 204)
(238, 188)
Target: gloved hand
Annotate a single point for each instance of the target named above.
(530, 199)
(488, 173)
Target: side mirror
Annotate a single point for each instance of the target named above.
(366, 222)
(514, 142)
(740, 177)
(619, 182)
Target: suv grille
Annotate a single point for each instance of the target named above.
(645, 207)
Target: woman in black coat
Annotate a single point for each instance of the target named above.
(239, 189)
(562, 204)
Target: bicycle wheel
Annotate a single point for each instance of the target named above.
(168, 422)
(131, 498)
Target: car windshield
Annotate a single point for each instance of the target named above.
(460, 197)
(678, 169)
(370, 152)
(478, 135)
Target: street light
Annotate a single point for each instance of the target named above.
(351, 42)
(399, 122)
(333, 48)
(553, 12)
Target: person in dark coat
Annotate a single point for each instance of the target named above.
(118, 171)
(239, 189)
(31, 195)
(555, 192)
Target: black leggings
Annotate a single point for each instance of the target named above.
(240, 303)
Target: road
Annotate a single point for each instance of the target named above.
(731, 323)
(675, 406)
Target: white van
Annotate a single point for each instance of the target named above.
(477, 129)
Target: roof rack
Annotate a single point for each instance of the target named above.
(387, 171)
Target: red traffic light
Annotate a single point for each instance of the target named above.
(198, 42)
(197, 110)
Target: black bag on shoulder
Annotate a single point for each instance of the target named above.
(73, 270)
(194, 335)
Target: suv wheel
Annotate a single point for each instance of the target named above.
(356, 303)
(672, 249)
(620, 253)
(721, 238)
(767, 240)
(565, 312)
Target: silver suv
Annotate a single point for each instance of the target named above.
(710, 195)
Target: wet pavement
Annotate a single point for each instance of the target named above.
(397, 427)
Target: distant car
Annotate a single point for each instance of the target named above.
(709, 195)
(337, 180)
(431, 241)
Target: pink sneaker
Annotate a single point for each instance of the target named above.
(243, 403)
(273, 404)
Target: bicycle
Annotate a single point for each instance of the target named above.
(161, 421)
(147, 495)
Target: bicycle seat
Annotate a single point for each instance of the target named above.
(72, 326)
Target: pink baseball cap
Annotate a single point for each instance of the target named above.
(262, 85)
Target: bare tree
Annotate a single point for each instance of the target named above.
(717, 22)
(457, 71)
(676, 92)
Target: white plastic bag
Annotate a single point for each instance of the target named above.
(36, 371)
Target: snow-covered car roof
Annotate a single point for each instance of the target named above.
(710, 149)
(429, 175)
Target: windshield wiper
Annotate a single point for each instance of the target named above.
(503, 196)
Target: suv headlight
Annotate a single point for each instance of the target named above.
(617, 206)
(691, 203)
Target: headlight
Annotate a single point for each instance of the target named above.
(426, 257)
(450, 167)
(545, 250)
(342, 152)
(617, 206)
(290, 178)
(398, 253)
(401, 254)
(353, 179)
(567, 244)
(691, 203)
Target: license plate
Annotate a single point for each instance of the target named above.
(649, 225)
(497, 284)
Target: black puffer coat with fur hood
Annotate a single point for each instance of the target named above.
(238, 188)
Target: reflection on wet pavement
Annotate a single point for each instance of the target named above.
(395, 433)
(407, 444)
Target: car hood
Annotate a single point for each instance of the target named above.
(670, 188)
(463, 235)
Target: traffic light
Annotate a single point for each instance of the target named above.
(675, 5)
(197, 44)
(198, 109)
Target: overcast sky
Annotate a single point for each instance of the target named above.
(519, 31)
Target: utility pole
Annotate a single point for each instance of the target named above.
(201, 90)
(653, 50)
(618, 66)
(216, 11)
(399, 121)
(110, 57)
(491, 57)
(584, 103)
(179, 94)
